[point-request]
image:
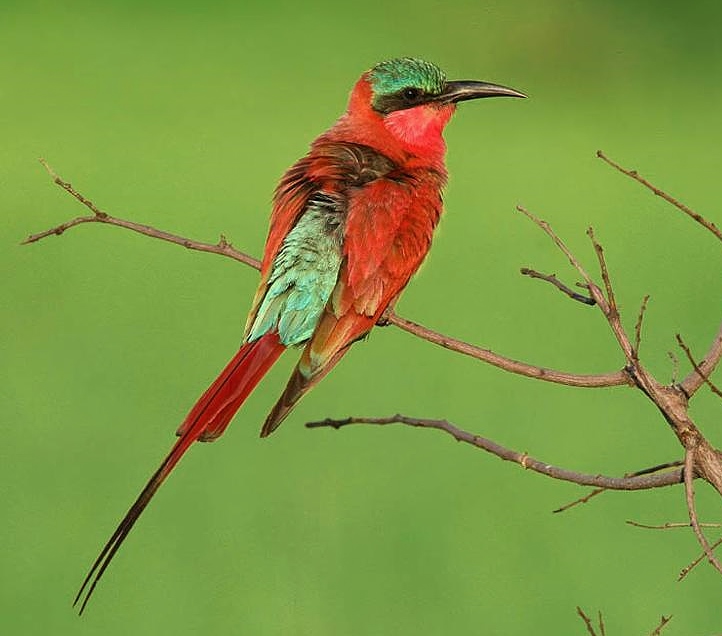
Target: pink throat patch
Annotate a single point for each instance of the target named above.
(420, 127)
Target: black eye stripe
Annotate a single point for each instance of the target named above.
(407, 97)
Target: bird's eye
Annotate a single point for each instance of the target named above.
(410, 94)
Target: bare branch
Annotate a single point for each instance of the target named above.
(696, 367)
(660, 627)
(587, 621)
(581, 500)
(636, 473)
(661, 193)
(607, 304)
(523, 459)
(602, 632)
(617, 378)
(706, 366)
(599, 250)
(687, 569)
(551, 278)
(669, 525)
(638, 327)
(547, 229)
(223, 247)
(688, 473)
(675, 366)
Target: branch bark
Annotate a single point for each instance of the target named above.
(636, 482)
(633, 174)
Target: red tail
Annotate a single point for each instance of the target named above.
(206, 421)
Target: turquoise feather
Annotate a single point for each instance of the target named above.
(302, 278)
(392, 76)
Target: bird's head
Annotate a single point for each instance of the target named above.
(413, 100)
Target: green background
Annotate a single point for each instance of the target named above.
(183, 115)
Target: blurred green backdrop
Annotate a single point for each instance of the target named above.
(183, 115)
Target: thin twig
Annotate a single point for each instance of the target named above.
(636, 473)
(599, 251)
(617, 378)
(687, 569)
(669, 525)
(696, 367)
(661, 193)
(547, 229)
(675, 366)
(611, 312)
(638, 326)
(688, 473)
(523, 459)
(707, 365)
(660, 627)
(587, 621)
(581, 500)
(551, 278)
(223, 247)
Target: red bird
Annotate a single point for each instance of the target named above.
(351, 223)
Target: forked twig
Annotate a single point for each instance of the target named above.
(636, 473)
(551, 278)
(662, 624)
(696, 367)
(223, 247)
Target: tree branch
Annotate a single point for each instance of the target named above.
(694, 381)
(688, 473)
(638, 327)
(687, 569)
(599, 491)
(617, 378)
(661, 193)
(660, 627)
(551, 278)
(224, 248)
(587, 622)
(640, 482)
(669, 526)
(697, 368)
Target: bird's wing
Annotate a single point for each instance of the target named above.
(303, 250)
(387, 234)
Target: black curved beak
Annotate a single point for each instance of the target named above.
(463, 90)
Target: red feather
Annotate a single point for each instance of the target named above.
(206, 421)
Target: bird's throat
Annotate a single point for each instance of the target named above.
(420, 129)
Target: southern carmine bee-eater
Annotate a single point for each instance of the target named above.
(351, 223)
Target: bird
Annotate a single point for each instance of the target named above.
(351, 222)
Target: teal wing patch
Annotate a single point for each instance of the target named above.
(303, 274)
